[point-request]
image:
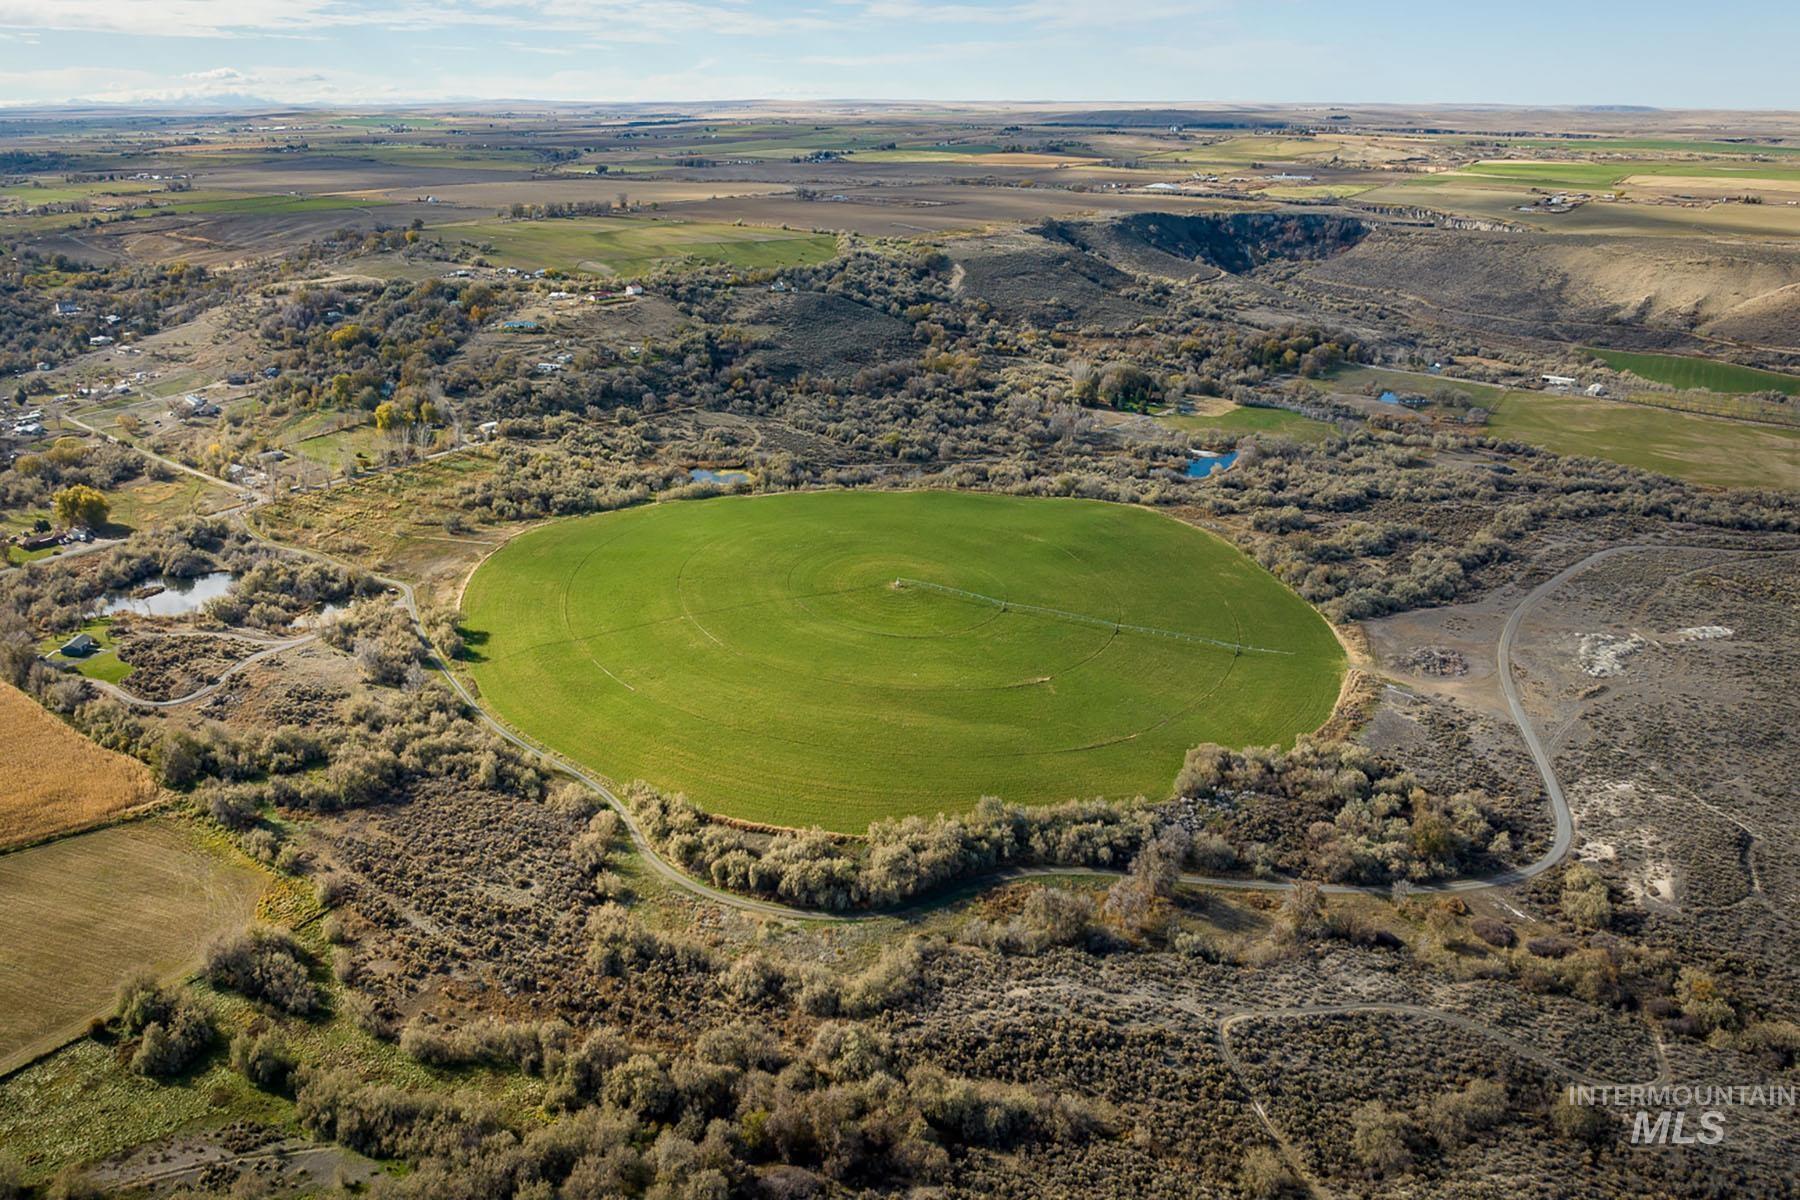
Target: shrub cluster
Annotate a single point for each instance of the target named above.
(736, 1113)
(171, 1028)
(1329, 810)
(900, 860)
(269, 967)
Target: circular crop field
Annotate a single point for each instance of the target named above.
(832, 658)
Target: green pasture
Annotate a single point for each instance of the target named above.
(1704, 449)
(1699, 447)
(794, 659)
(1602, 176)
(1704, 374)
(56, 191)
(623, 246)
(271, 205)
(1356, 378)
(1650, 145)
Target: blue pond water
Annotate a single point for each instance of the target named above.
(1202, 465)
(178, 597)
(727, 478)
(1389, 398)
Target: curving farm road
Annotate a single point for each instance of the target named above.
(273, 648)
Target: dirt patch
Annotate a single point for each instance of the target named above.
(241, 1160)
(1604, 656)
(165, 667)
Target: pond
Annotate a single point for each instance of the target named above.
(725, 478)
(313, 620)
(1204, 464)
(178, 597)
(1389, 398)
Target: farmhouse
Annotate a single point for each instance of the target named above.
(79, 646)
(67, 308)
(100, 339)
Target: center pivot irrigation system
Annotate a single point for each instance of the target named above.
(1082, 618)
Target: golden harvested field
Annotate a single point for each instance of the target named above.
(80, 914)
(55, 778)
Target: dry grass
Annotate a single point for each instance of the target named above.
(81, 914)
(56, 779)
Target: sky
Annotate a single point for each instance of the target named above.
(1724, 54)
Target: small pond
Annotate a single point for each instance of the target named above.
(1203, 464)
(178, 597)
(1389, 398)
(724, 478)
(313, 620)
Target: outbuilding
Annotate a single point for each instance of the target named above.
(79, 646)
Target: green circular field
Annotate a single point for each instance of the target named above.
(832, 658)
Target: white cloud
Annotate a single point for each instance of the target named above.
(1026, 14)
(216, 75)
(121, 85)
(610, 20)
(171, 18)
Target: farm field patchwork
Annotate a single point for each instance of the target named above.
(1500, 198)
(836, 658)
(55, 778)
(80, 914)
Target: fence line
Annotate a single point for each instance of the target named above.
(1084, 619)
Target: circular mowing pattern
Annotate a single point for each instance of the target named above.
(834, 658)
